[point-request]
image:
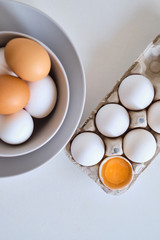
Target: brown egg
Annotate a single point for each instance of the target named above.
(14, 94)
(27, 58)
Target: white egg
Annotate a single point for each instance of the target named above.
(16, 128)
(139, 145)
(136, 92)
(154, 116)
(43, 96)
(112, 120)
(4, 68)
(87, 149)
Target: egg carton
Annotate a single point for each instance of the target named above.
(148, 65)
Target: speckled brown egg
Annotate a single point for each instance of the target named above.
(14, 94)
(27, 58)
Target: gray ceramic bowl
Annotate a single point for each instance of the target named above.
(15, 16)
(45, 128)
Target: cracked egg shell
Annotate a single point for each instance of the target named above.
(116, 172)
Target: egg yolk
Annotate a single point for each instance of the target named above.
(116, 173)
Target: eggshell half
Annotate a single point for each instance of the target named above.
(116, 172)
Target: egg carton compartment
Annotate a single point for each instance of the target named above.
(148, 65)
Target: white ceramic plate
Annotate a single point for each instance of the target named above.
(19, 17)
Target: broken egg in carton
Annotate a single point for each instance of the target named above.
(122, 135)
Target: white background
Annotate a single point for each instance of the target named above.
(57, 201)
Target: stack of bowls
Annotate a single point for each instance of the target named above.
(58, 128)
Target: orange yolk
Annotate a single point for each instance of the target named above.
(116, 173)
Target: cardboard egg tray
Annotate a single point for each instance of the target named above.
(138, 119)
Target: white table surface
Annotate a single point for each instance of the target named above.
(58, 201)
